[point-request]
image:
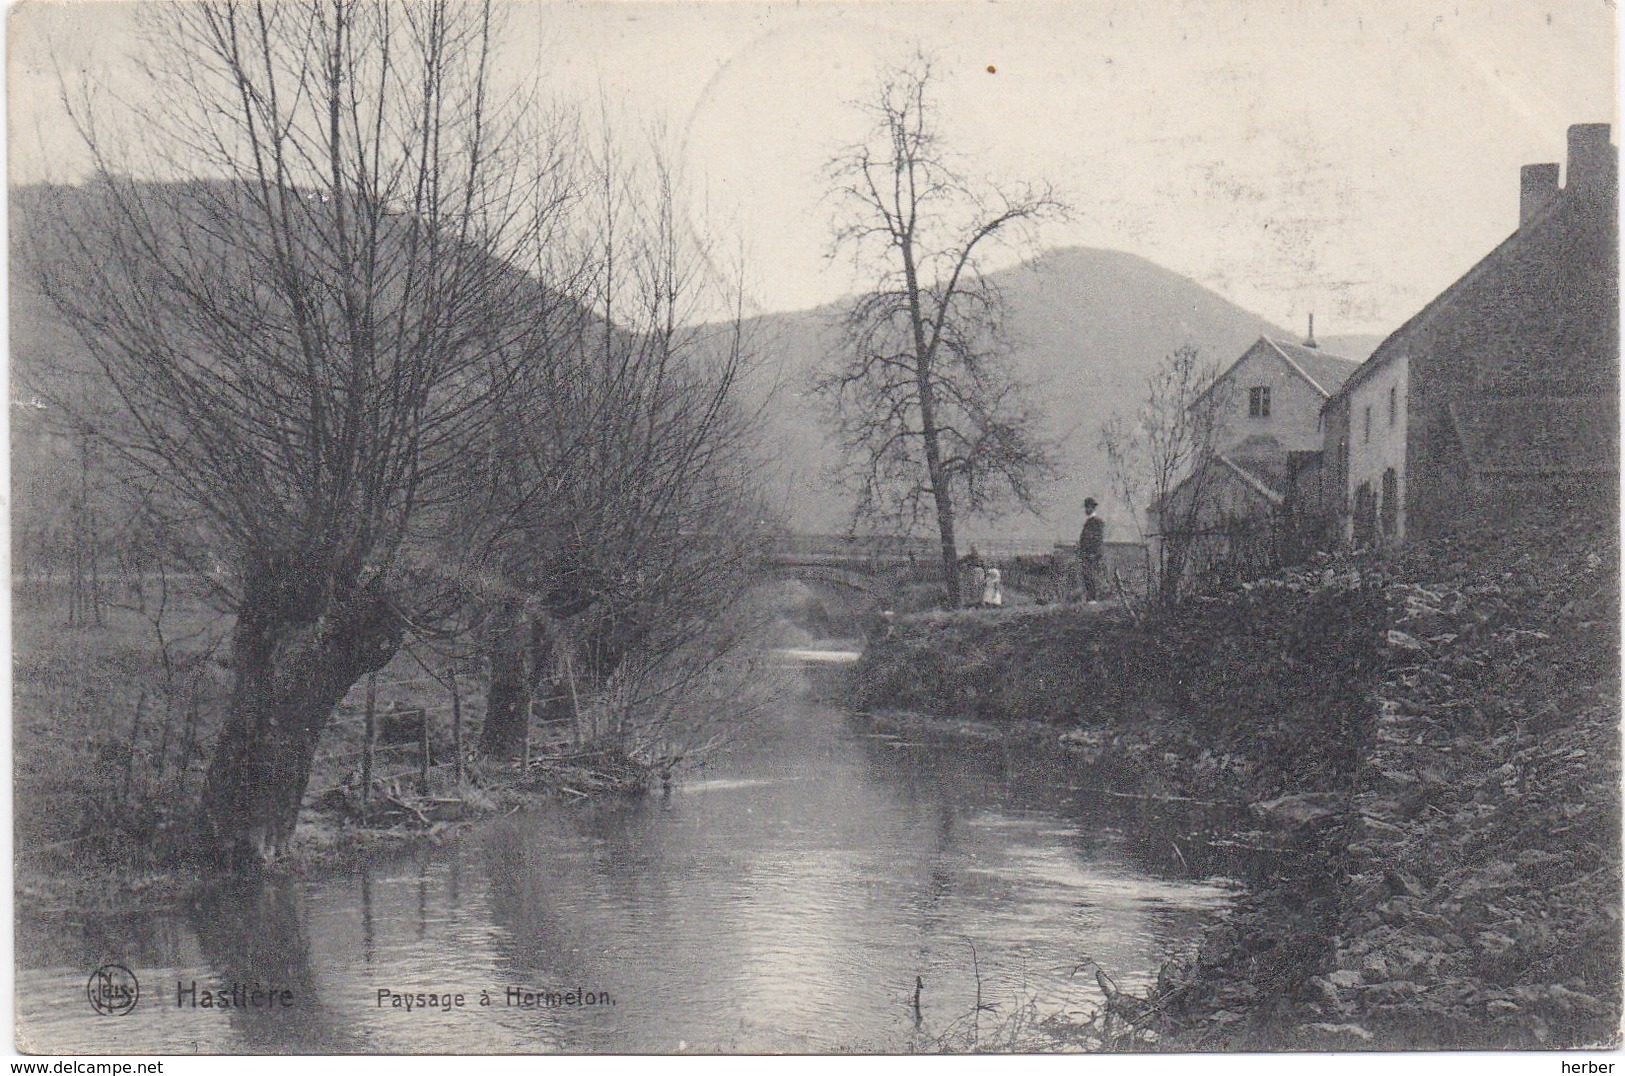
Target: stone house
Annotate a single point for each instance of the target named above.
(1501, 393)
(1267, 429)
(1275, 392)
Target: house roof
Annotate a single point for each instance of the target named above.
(1261, 451)
(1394, 344)
(1324, 371)
(1257, 464)
(1539, 435)
(1245, 470)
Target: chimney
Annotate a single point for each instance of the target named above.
(1309, 341)
(1592, 161)
(1537, 188)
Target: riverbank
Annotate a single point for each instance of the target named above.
(809, 853)
(1436, 740)
(329, 840)
(112, 724)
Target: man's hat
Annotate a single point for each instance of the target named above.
(1088, 503)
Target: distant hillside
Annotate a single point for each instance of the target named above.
(52, 373)
(1087, 327)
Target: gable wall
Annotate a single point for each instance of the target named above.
(1294, 419)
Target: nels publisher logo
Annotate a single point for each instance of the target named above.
(113, 990)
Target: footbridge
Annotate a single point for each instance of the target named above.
(870, 575)
(874, 565)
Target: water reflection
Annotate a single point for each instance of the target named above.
(273, 957)
(785, 898)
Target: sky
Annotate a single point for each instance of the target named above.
(1341, 157)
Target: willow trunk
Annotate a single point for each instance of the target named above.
(295, 658)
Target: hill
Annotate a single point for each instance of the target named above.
(1086, 327)
(58, 389)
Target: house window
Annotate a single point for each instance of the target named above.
(1258, 402)
(1367, 425)
(1393, 405)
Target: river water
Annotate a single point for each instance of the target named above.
(783, 898)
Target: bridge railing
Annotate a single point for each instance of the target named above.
(903, 549)
(851, 545)
(1047, 571)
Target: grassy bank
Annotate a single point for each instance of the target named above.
(112, 727)
(1223, 687)
(1436, 736)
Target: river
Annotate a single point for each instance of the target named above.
(784, 897)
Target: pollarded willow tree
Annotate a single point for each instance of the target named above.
(302, 326)
(930, 415)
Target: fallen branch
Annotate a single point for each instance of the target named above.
(408, 808)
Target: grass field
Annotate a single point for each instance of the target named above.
(113, 724)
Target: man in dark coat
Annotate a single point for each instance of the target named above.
(1092, 551)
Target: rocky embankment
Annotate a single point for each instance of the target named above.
(1436, 738)
(1481, 903)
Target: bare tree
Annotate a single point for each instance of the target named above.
(625, 515)
(1157, 458)
(927, 409)
(303, 327)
